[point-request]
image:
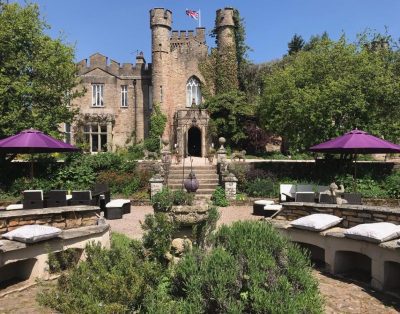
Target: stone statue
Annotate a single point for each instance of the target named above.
(335, 192)
(178, 247)
(239, 155)
(150, 155)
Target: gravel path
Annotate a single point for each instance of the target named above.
(341, 296)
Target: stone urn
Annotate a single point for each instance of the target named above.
(191, 184)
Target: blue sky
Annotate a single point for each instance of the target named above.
(119, 28)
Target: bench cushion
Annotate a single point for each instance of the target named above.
(264, 202)
(118, 203)
(273, 207)
(32, 233)
(316, 222)
(15, 206)
(374, 232)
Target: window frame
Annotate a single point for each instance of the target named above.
(90, 133)
(124, 96)
(97, 95)
(193, 91)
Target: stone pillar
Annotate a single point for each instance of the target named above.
(230, 182)
(156, 184)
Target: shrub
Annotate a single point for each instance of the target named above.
(240, 170)
(253, 174)
(158, 235)
(182, 198)
(120, 182)
(23, 183)
(202, 230)
(260, 188)
(219, 198)
(250, 268)
(109, 281)
(163, 200)
(392, 184)
(135, 152)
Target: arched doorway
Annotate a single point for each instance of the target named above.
(194, 142)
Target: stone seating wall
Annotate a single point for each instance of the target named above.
(67, 217)
(352, 214)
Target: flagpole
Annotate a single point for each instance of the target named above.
(199, 18)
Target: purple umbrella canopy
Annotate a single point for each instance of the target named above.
(33, 141)
(356, 142)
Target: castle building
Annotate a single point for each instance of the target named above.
(115, 110)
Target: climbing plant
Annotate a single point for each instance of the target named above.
(158, 120)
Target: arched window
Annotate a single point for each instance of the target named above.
(193, 92)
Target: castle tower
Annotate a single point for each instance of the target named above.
(225, 26)
(160, 24)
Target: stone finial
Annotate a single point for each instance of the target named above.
(222, 141)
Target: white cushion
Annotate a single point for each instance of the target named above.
(32, 233)
(273, 207)
(14, 206)
(264, 202)
(316, 222)
(374, 232)
(117, 203)
(288, 189)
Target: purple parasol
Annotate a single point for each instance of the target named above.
(33, 141)
(356, 142)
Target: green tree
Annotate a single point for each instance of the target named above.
(314, 39)
(296, 44)
(230, 112)
(331, 89)
(37, 73)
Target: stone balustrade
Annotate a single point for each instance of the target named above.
(352, 214)
(66, 217)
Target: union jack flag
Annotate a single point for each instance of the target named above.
(193, 14)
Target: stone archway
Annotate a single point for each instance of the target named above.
(194, 142)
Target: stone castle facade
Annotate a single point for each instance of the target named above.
(115, 109)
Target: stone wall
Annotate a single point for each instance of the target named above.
(63, 219)
(128, 122)
(352, 214)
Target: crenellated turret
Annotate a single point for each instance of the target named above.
(225, 28)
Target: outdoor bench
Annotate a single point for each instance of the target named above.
(378, 264)
(26, 262)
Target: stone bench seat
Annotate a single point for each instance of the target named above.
(342, 255)
(27, 262)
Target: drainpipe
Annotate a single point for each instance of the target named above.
(135, 107)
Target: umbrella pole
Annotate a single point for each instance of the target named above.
(355, 174)
(31, 172)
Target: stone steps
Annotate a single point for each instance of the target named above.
(211, 186)
(206, 175)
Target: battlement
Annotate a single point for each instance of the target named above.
(100, 61)
(225, 17)
(179, 38)
(160, 17)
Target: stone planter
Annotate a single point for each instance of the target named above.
(186, 217)
(189, 215)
